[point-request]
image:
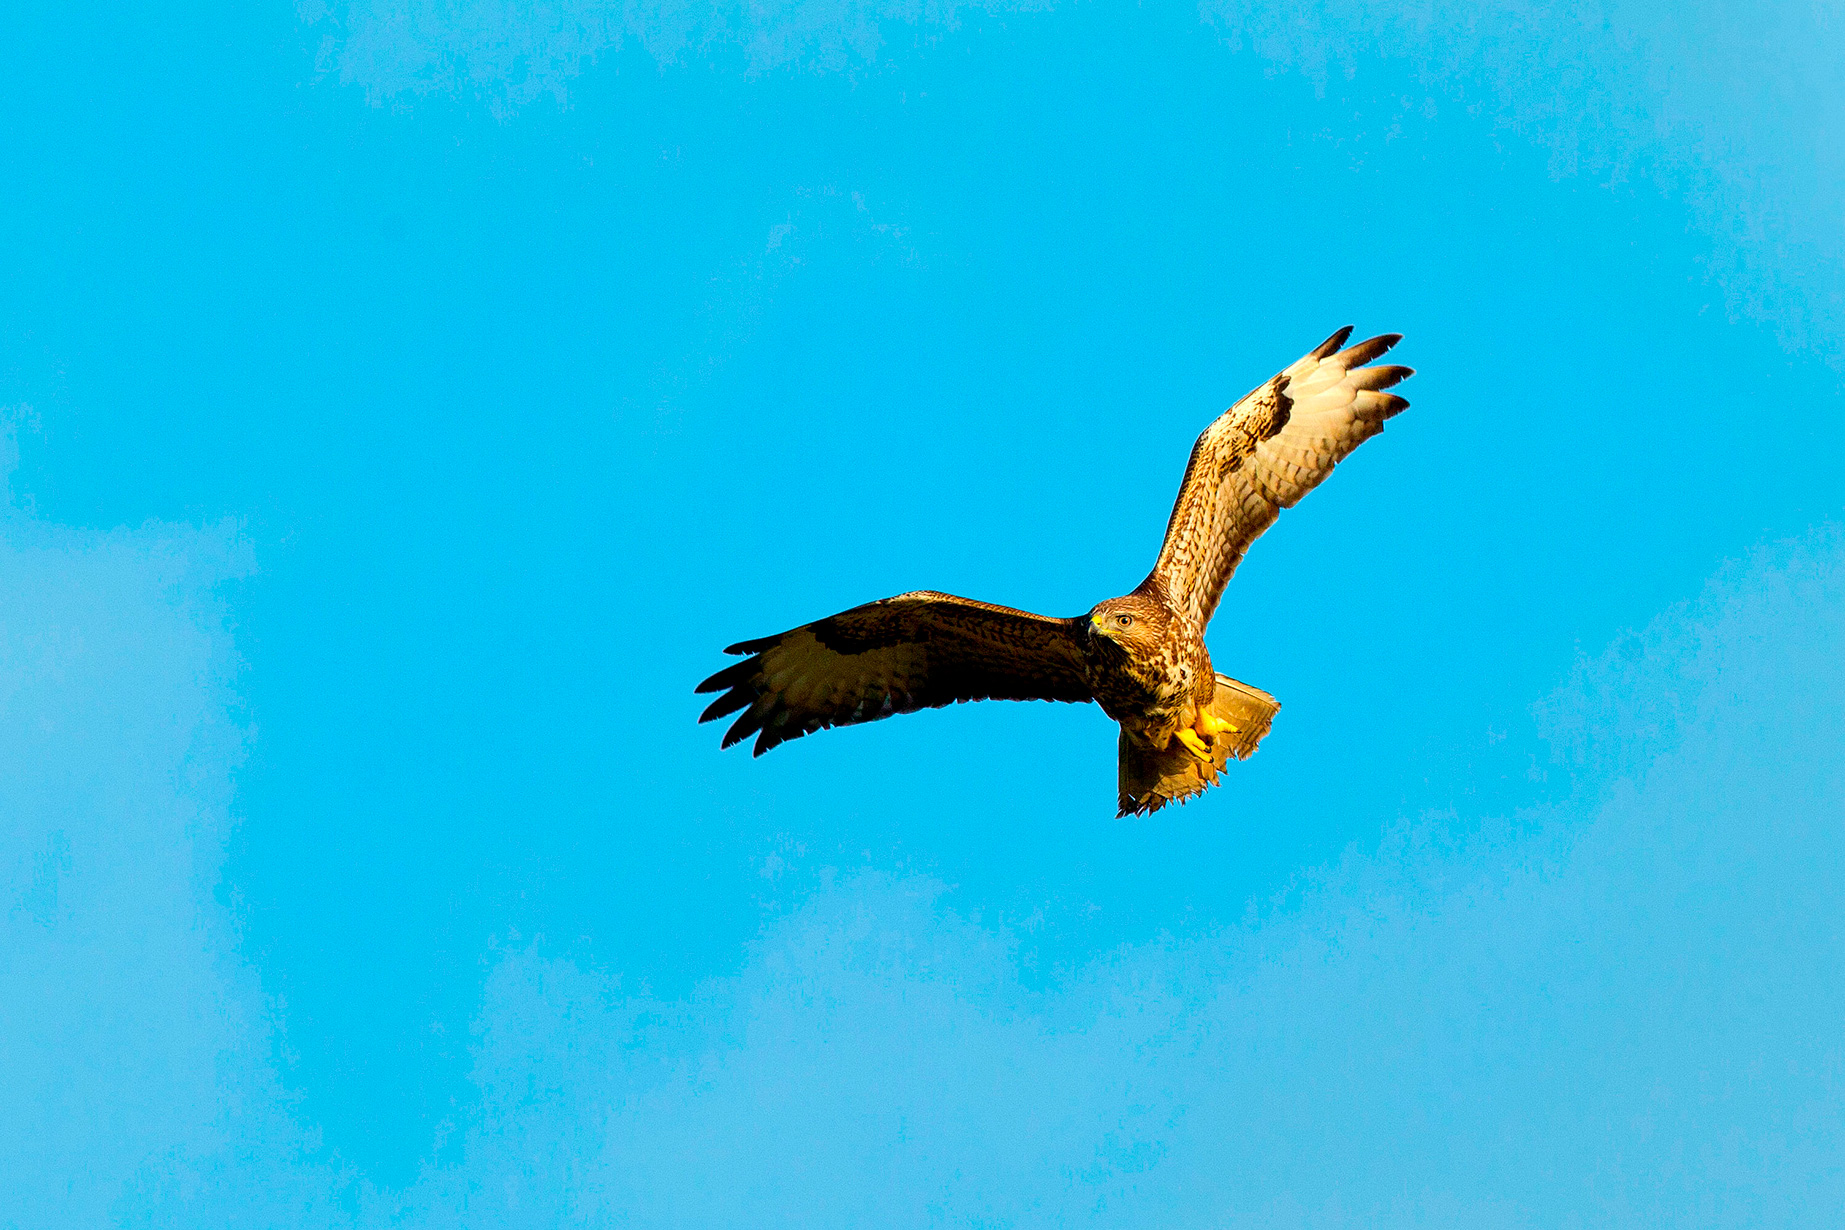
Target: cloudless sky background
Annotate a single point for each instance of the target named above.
(408, 401)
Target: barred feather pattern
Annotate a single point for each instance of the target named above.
(1262, 455)
(915, 651)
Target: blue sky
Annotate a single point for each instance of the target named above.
(405, 402)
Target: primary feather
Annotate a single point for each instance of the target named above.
(1263, 454)
(915, 651)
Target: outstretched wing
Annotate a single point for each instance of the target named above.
(915, 651)
(1263, 454)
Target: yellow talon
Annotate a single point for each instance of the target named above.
(1196, 745)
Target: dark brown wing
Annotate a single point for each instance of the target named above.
(915, 651)
(1265, 453)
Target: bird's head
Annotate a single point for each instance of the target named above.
(1133, 624)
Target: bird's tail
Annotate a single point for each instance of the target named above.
(1151, 779)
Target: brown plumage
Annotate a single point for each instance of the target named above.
(1142, 656)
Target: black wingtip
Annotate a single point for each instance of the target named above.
(1384, 377)
(758, 645)
(1332, 343)
(730, 676)
(1367, 350)
(726, 704)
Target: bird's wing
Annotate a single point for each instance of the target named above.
(898, 655)
(1263, 454)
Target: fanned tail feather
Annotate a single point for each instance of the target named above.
(1151, 779)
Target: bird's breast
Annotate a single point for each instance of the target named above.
(1136, 692)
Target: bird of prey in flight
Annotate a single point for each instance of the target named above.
(1141, 656)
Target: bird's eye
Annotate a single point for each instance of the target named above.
(1124, 620)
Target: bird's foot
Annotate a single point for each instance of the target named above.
(1210, 725)
(1196, 745)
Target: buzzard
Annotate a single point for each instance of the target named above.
(1142, 656)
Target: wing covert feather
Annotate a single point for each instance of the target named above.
(915, 651)
(1263, 454)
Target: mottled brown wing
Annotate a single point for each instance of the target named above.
(1263, 454)
(915, 651)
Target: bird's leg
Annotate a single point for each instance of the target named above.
(1201, 736)
(1210, 725)
(1195, 744)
